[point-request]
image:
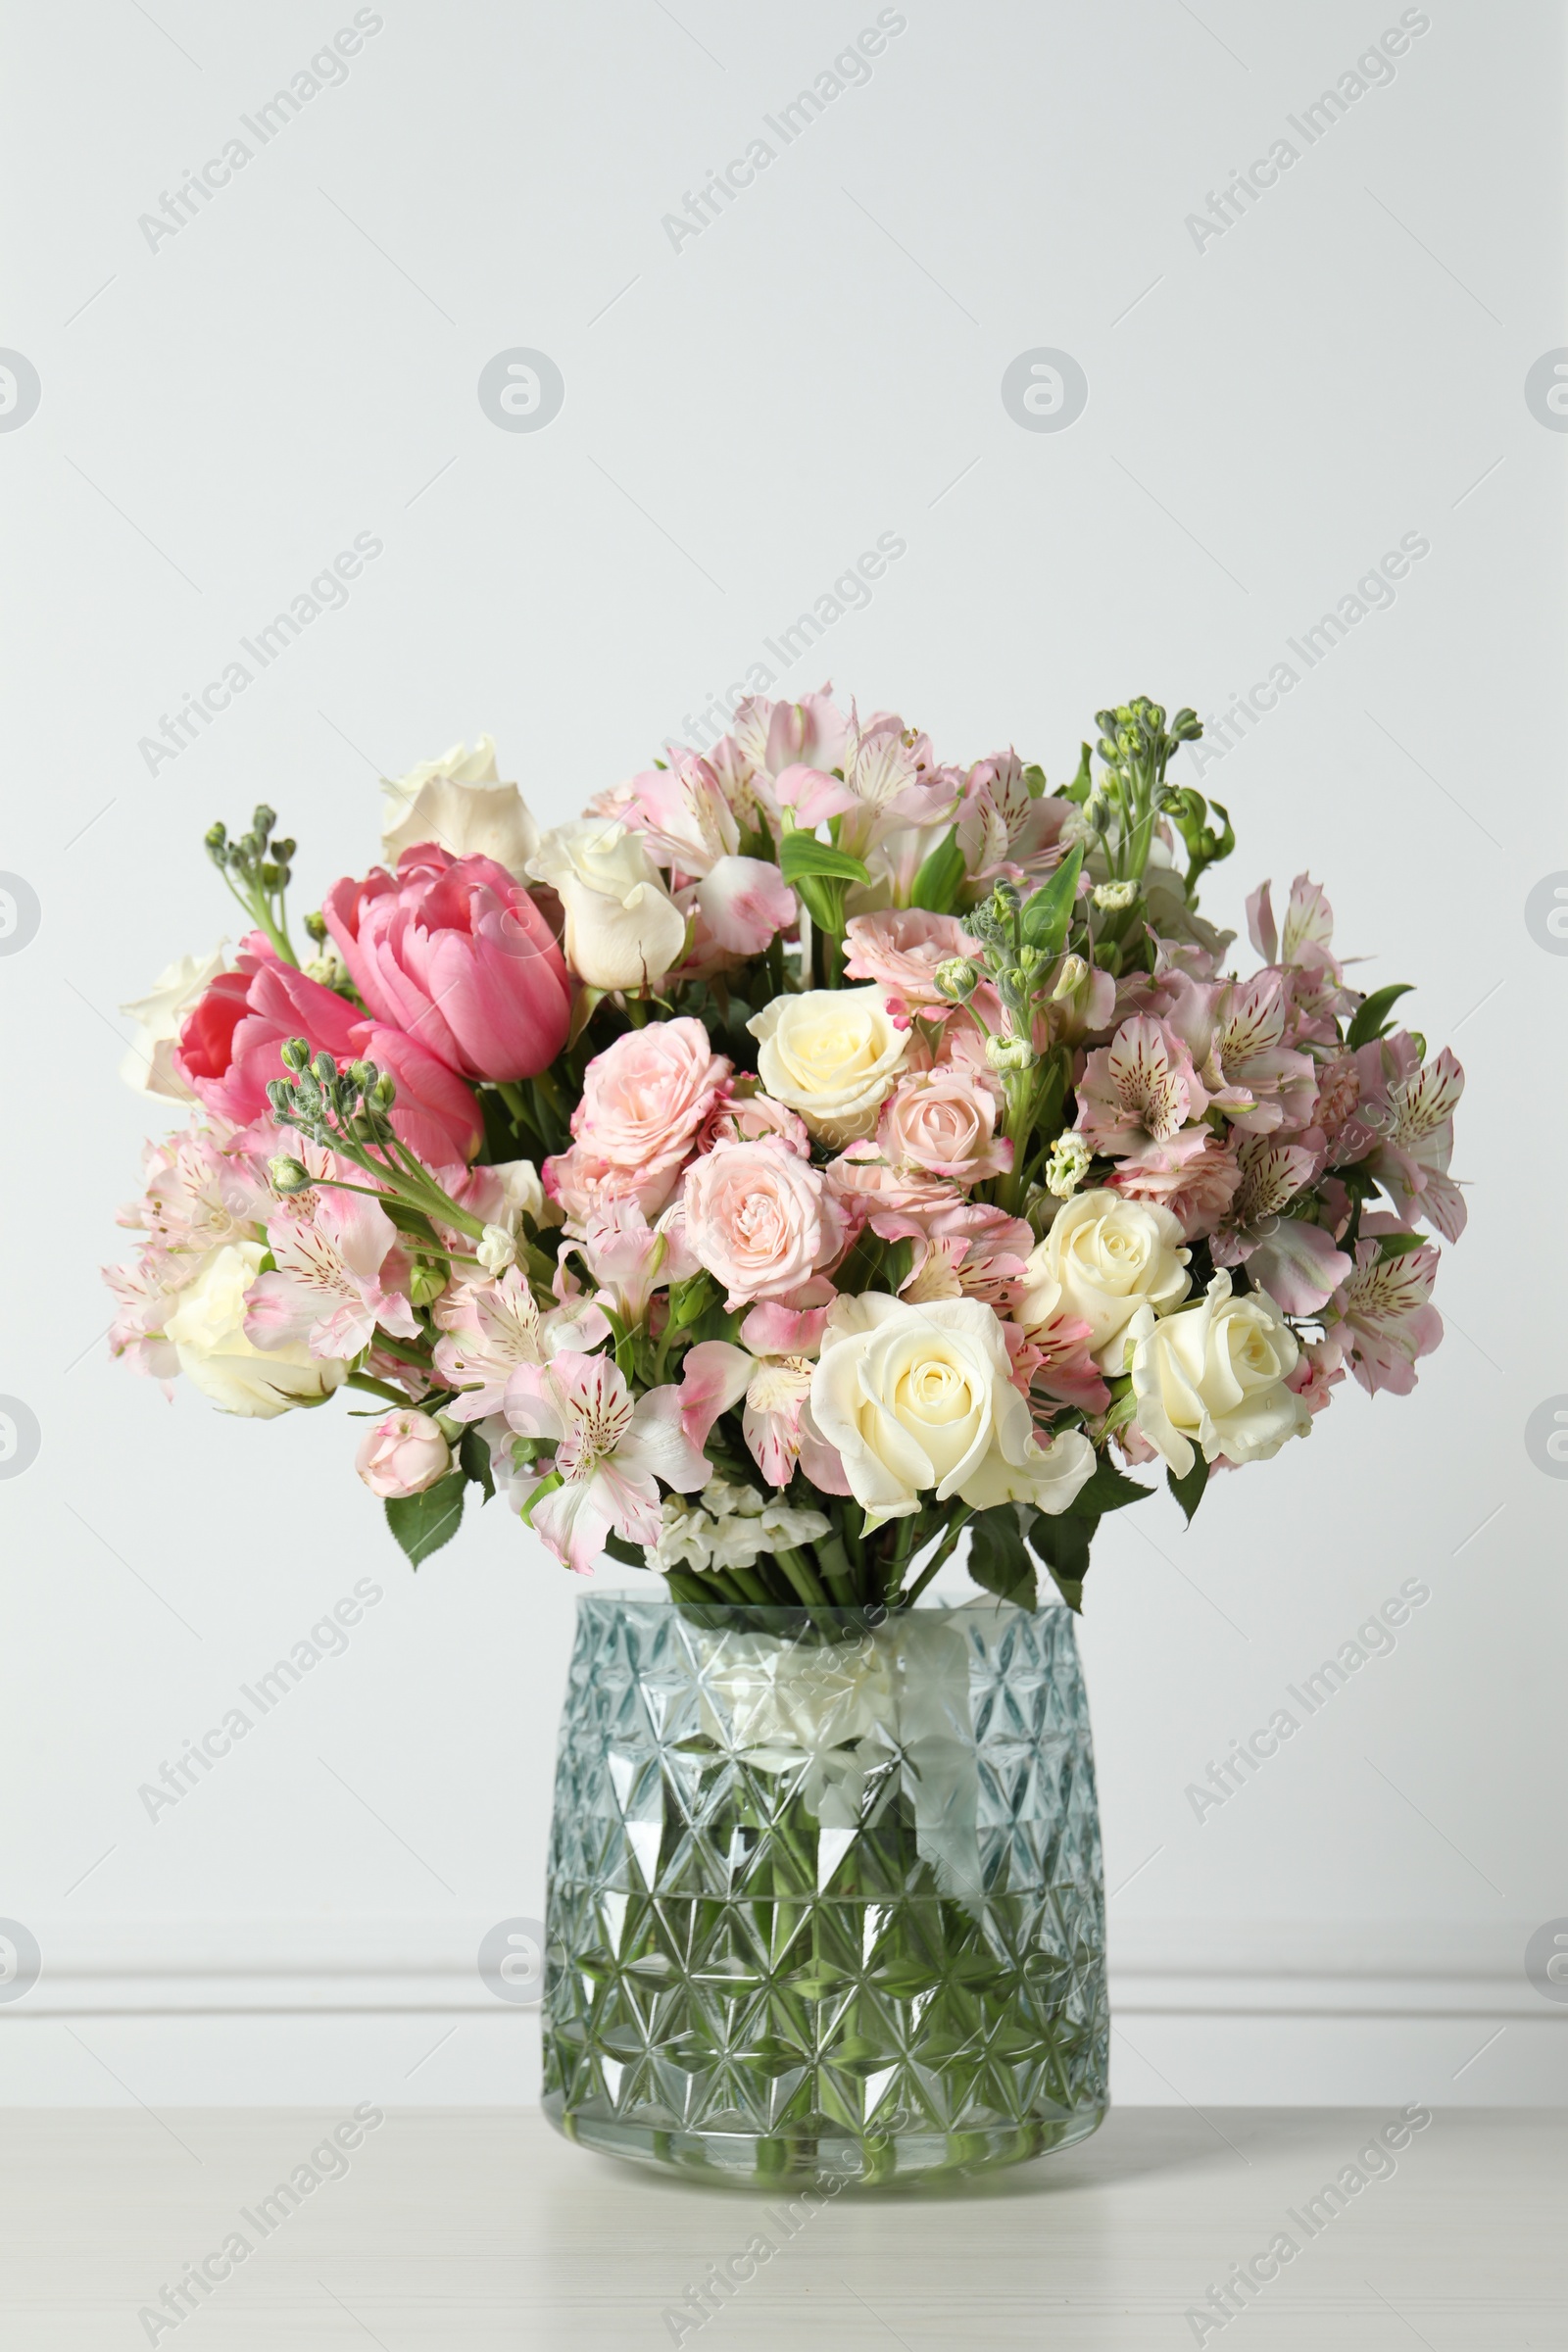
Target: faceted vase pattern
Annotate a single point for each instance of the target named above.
(826, 1892)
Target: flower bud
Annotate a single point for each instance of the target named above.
(957, 978)
(1071, 979)
(288, 1174)
(296, 1053)
(1009, 1053)
(426, 1284)
(1068, 1166)
(496, 1250)
(324, 1067)
(1112, 897)
(384, 1092)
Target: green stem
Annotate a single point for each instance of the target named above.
(377, 1388)
(804, 1579)
(515, 1100)
(834, 1562)
(939, 1560)
(636, 1012)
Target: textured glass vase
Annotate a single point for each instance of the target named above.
(825, 1897)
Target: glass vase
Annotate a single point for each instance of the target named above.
(826, 1892)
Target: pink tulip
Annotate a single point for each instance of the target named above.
(454, 952)
(233, 1043)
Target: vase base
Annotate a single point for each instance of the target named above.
(787, 2162)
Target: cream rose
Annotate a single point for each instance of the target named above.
(916, 1398)
(159, 1015)
(623, 929)
(832, 1055)
(1213, 1378)
(461, 802)
(1102, 1259)
(207, 1333)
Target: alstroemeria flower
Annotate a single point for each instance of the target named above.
(341, 1271)
(608, 1453)
(1139, 1089)
(630, 1260)
(1233, 1031)
(1411, 1105)
(489, 1328)
(1296, 1262)
(1386, 1310)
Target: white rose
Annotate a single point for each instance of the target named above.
(207, 1332)
(1102, 1259)
(161, 1015)
(917, 1398)
(832, 1055)
(1214, 1377)
(623, 929)
(460, 802)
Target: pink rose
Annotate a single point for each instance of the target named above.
(402, 1454)
(1194, 1175)
(456, 953)
(644, 1099)
(736, 1118)
(864, 1183)
(943, 1121)
(232, 1045)
(760, 1221)
(900, 949)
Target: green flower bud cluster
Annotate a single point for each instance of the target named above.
(329, 1104)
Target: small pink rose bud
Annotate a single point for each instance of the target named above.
(402, 1455)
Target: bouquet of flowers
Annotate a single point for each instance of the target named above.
(812, 1154)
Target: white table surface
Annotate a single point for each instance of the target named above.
(479, 2228)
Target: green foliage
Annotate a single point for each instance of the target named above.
(941, 876)
(1047, 915)
(998, 1561)
(1189, 1489)
(801, 855)
(630, 1555)
(1064, 1544)
(473, 1461)
(422, 1523)
(1371, 1016)
(1108, 1490)
(1187, 806)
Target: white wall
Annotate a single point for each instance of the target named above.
(822, 365)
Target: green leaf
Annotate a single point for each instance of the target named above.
(823, 902)
(801, 853)
(1047, 915)
(998, 1561)
(587, 1005)
(941, 876)
(1371, 1021)
(474, 1459)
(630, 1555)
(1034, 777)
(1398, 1245)
(1063, 1544)
(1188, 1490)
(1108, 1490)
(897, 1264)
(422, 1523)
